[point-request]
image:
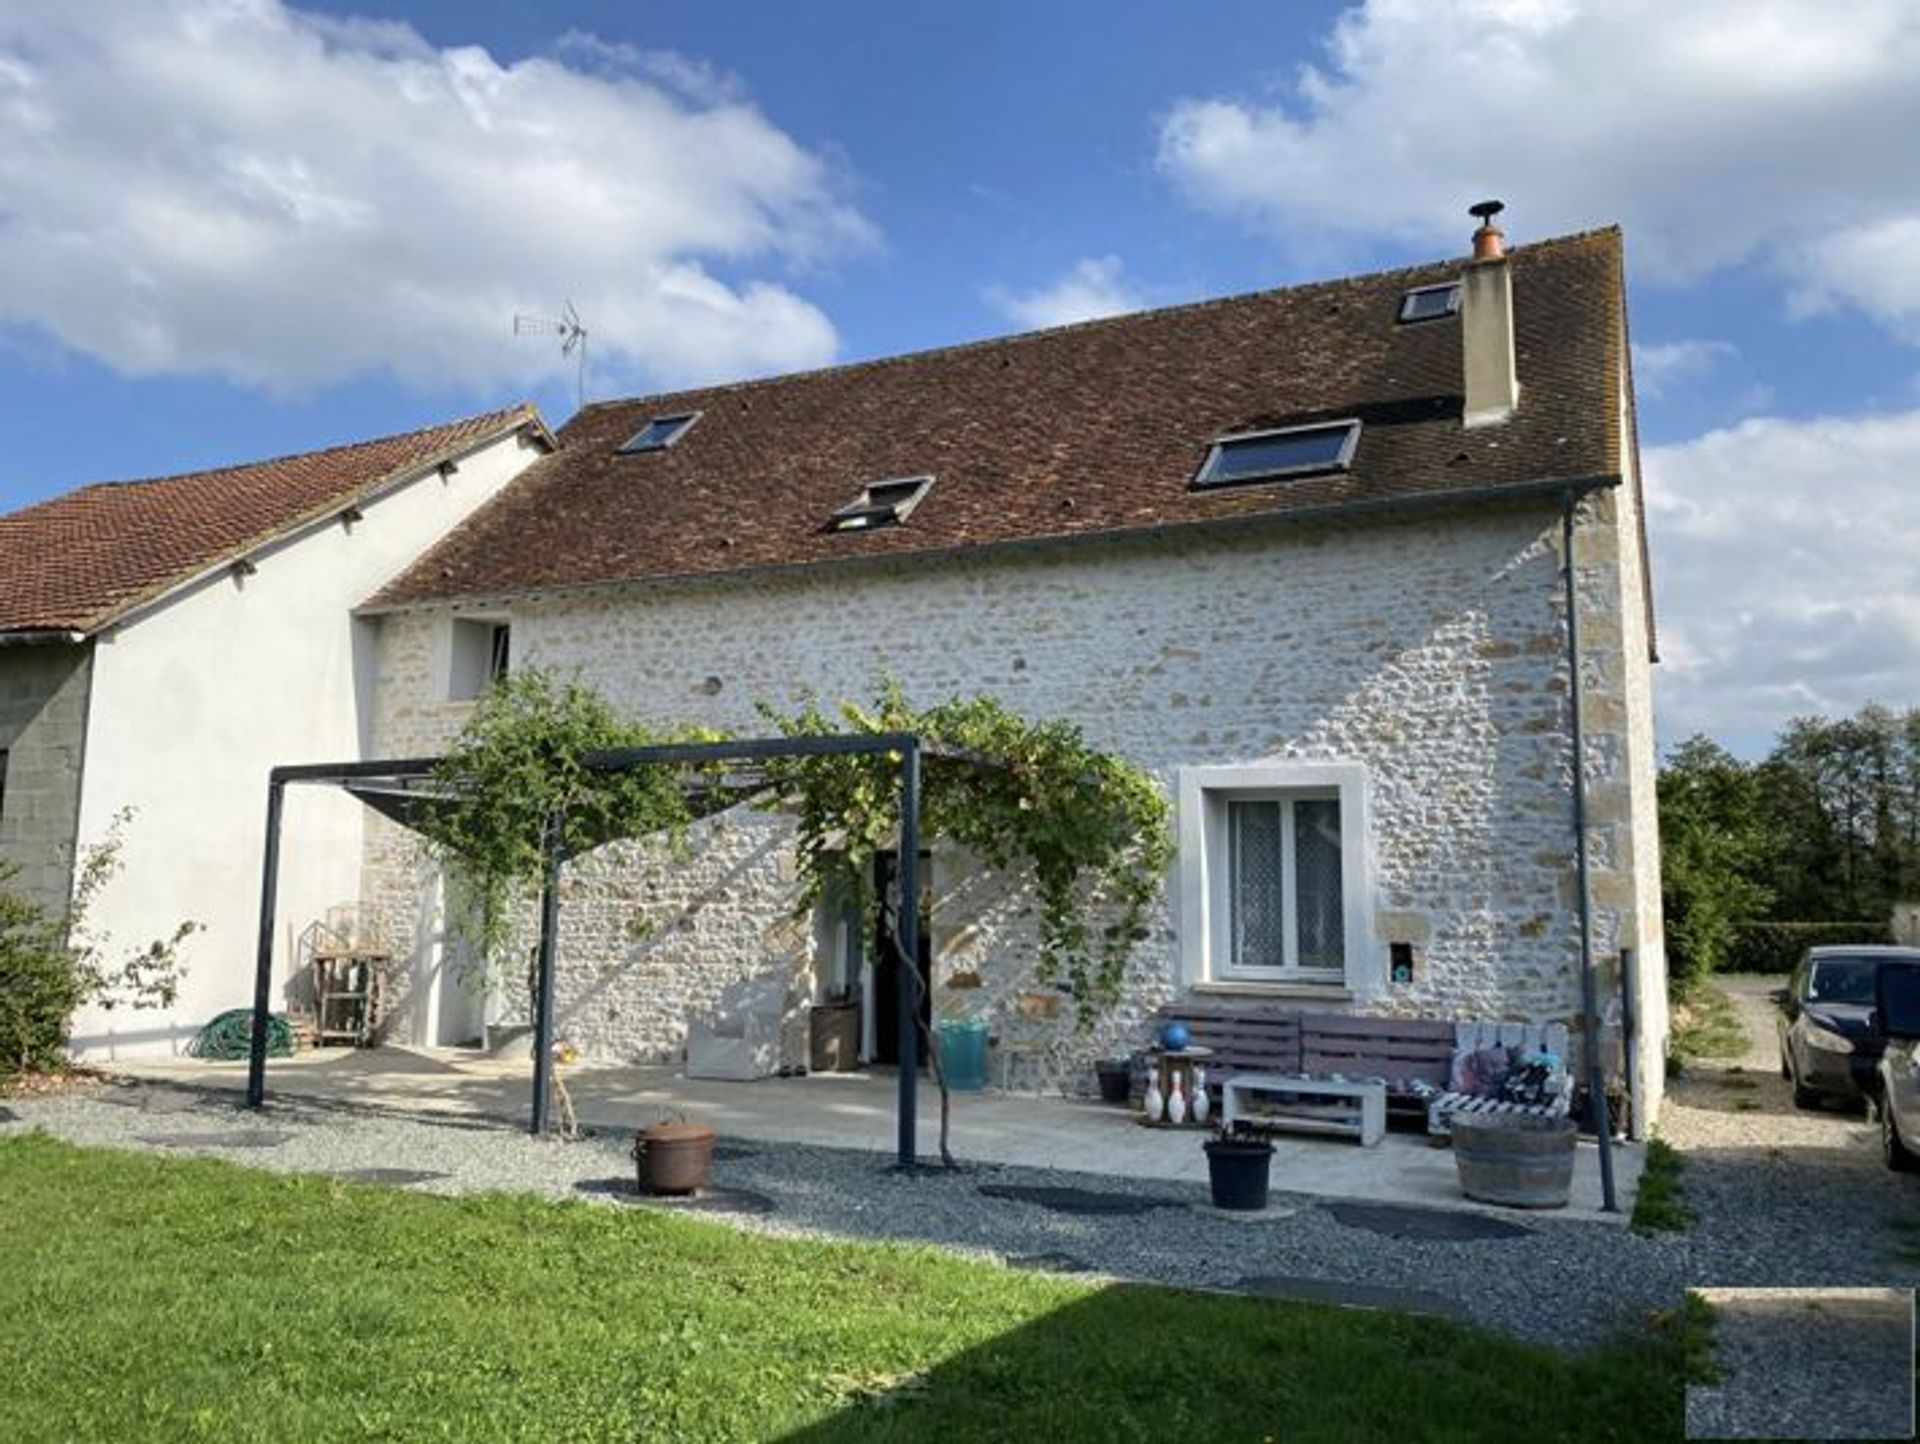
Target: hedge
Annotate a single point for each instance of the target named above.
(1774, 947)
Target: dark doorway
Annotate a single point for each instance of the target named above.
(888, 978)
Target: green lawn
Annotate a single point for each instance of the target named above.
(144, 1297)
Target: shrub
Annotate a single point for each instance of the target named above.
(39, 988)
(1774, 947)
(50, 966)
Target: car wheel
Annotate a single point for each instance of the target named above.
(1899, 1159)
(1803, 1096)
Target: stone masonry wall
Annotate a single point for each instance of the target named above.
(43, 725)
(1431, 651)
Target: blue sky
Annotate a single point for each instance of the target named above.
(231, 228)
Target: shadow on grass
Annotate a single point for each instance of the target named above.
(1134, 1362)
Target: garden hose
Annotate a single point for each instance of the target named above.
(230, 1036)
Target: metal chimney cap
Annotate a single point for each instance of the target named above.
(1488, 242)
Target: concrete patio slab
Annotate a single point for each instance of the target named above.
(856, 1110)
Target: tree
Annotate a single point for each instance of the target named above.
(519, 763)
(1713, 842)
(1841, 798)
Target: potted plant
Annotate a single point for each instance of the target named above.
(673, 1156)
(1238, 1161)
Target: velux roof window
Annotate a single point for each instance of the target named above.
(1430, 303)
(882, 503)
(660, 433)
(1289, 451)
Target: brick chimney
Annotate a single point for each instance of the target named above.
(1486, 324)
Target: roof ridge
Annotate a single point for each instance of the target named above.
(499, 414)
(1015, 338)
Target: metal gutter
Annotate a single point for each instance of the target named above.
(44, 638)
(1157, 531)
(1589, 993)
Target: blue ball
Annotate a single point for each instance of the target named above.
(1175, 1036)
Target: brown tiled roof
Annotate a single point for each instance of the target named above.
(81, 560)
(1084, 430)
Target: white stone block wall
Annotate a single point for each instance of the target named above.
(1429, 650)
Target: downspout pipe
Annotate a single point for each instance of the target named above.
(1589, 992)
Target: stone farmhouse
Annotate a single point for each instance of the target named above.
(1300, 553)
(1297, 552)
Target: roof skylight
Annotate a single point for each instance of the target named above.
(1287, 451)
(1430, 303)
(660, 433)
(881, 503)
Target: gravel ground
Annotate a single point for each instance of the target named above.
(1568, 1285)
(1783, 1198)
(1854, 1367)
(1792, 1205)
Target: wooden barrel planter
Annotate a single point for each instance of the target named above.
(1515, 1160)
(673, 1158)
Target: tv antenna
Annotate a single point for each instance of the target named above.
(573, 342)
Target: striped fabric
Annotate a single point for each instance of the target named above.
(1442, 1107)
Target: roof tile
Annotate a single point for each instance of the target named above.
(81, 560)
(1082, 430)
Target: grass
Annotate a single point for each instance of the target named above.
(154, 1298)
(1693, 1323)
(1706, 1024)
(1659, 1206)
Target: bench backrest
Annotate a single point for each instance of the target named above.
(1244, 1040)
(1528, 1037)
(1397, 1049)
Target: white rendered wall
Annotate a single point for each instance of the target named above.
(192, 703)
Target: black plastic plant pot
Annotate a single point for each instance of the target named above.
(1238, 1168)
(1116, 1078)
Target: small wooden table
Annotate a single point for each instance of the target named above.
(1356, 1107)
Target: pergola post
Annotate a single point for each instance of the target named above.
(908, 931)
(263, 954)
(544, 966)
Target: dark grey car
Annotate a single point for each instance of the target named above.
(1830, 1042)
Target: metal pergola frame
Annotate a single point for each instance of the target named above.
(364, 780)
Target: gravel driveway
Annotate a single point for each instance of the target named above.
(1851, 1375)
(1786, 1199)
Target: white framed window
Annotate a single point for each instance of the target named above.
(1275, 886)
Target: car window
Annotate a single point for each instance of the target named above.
(1841, 980)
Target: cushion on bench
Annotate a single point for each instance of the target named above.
(1522, 1039)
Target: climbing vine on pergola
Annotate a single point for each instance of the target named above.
(545, 771)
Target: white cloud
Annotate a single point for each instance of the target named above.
(234, 187)
(1092, 287)
(1875, 267)
(1784, 569)
(1663, 365)
(1717, 131)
